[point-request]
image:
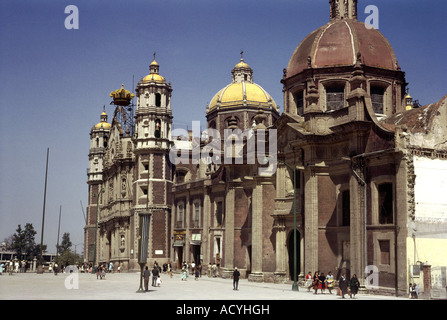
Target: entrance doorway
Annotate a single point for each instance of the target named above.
(196, 254)
(291, 257)
(179, 257)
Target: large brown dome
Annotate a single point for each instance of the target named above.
(337, 44)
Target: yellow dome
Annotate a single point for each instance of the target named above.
(103, 125)
(242, 64)
(153, 77)
(242, 94)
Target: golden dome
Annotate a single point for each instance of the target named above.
(154, 75)
(242, 64)
(241, 94)
(103, 125)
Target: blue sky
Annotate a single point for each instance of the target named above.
(54, 82)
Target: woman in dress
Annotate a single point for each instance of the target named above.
(343, 285)
(309, 281)
(330, 282)
(354, 285)
(316, 282)
(322, 279)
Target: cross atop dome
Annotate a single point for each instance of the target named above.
(343, 9)
(242, 71)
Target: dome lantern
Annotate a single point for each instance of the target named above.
(343, 9)
(154, 73)
(242, 71)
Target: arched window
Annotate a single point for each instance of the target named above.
(158, 100)
(377, 94)
(299, 99)
(157, 132)
(335, 97)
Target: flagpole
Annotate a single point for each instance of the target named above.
(40, 267)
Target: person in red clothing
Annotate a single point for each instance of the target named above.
(309, 281)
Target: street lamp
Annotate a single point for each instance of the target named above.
(96, 228)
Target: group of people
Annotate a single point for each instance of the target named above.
(13, 266)
(156, 279)
(192, 269)
(321, 282)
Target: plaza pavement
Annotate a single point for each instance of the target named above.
(124, 286)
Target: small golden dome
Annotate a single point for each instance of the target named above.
(103, 125)
(153, 77)
(242, 64)
(242, 94)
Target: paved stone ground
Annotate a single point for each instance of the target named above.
(124, 286)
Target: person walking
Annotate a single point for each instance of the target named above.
(322, 279)
(316, 282)
(184, 274)
(10, 267)
(309, 281)
(146, 276)
(354, 285)
(196, 274)
(170, 269)
(155, 275)
(343, 285)
(330, 282)
(236, 275)
(214, 267)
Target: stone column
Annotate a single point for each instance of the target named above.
(229, 234)
(187, 248)
(206, 239)
(357, 228)
(256, 235)
(280, 248)
(310, 219)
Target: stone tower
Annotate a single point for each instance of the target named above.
(99, 135)
(153, 173)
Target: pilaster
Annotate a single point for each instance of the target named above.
(311, 219)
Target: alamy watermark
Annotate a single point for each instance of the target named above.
(372, 21)
(260, 147)
(72, 280)
(72, 20)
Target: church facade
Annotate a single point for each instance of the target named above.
(349, 178)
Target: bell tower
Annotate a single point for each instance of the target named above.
(99, 136)
(153, 172)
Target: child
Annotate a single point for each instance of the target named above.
(158, 282)
(184, 274)
(197, 274)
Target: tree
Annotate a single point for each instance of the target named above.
(65, 255)
(23, 242)
(66, 243)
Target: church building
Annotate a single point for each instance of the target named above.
(349, 178)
